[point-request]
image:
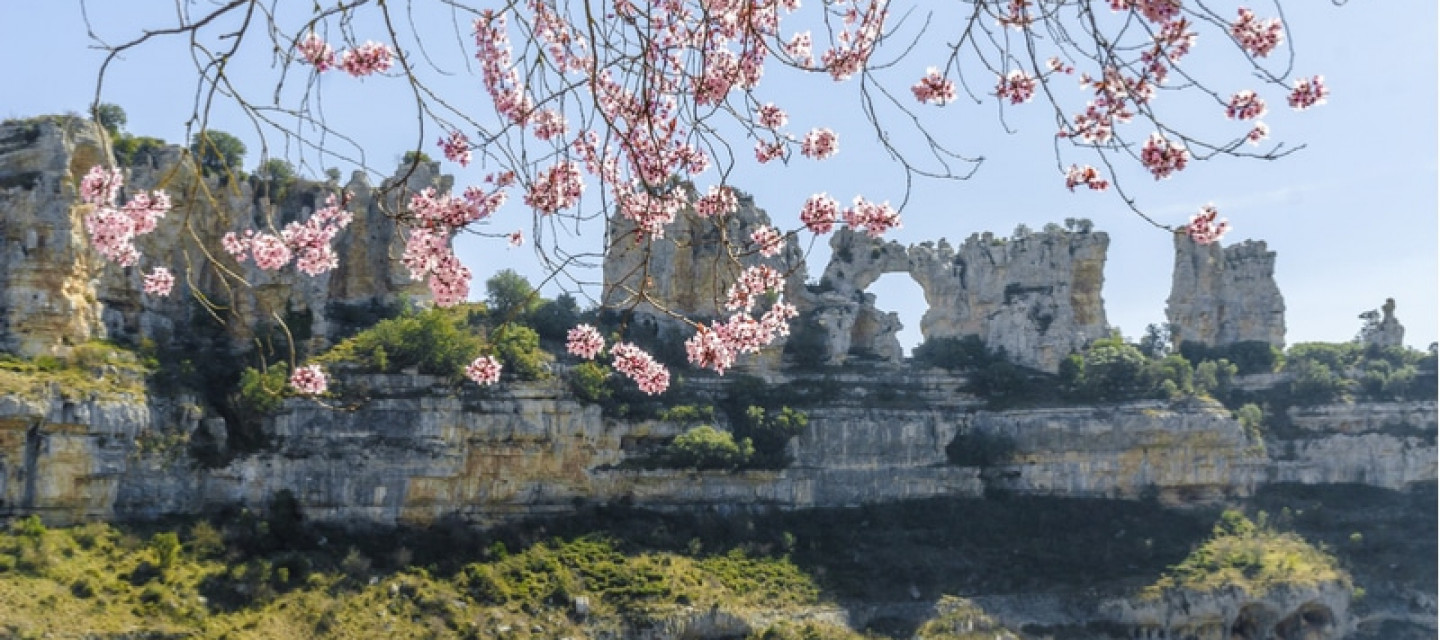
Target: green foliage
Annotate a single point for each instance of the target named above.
(1174, 370)
(1331, 372)
(277, 170)
(509, 297)
(770, 430)
(1253, 558)
(30, 527)
(518, 348)
(1214, 377)
(589, 381)
(129, 150)
(1252, 419)
(436, 341)
(415, 157)
(261, 392)
(95, 367)
(706, 447)
(553, 319)
(1108, 370)
(688, 414)
(112, 117)
(218, 153)
(166, 547)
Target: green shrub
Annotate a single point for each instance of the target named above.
(435, 341)
(589, 382)
(706, 447)
(166, 546)
(1213, 377)
(770, 431)
(261, 393)
(1252, 419)
(518, 347)
(688, 414)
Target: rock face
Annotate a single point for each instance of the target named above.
(1221, 296)
(1037, 296)
(1320, 612)
(57, 291)
(47, 293)
(1382, 329)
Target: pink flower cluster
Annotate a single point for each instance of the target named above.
(769, 240)
(368, 58)
(856, 41)
(767, 151)
(515, 238)
(1245, 105)
(753, 282)
(315, 51)
(874, 218)
(432, 210)
(820, 143)
(584, 341)
(1157, 11)
(1017, 86)
(771, 116)
(1017, 15)
(309, 380)
(484, 370)
(1260, 132)
(1163, 157)
(717, 345)
(1308, 93)
(1204, 228)
(113, 230)
(159, 282)
(820, 213)
(456, 148)
(308, 242)
(934, 87)
(1257, 37)
(1087, 175)
(429, 257)
(632, 361)
(558, 187)
(718, 201)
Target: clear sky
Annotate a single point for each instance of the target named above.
(1353, 216)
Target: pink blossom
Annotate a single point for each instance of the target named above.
(1157, 11)
(1204, 228)
(934, 87)
(556, 188)
(799, 49)
(874, 218)
(1016, 15)
(315, 51)
(1163, 157)
(1309, 93)
(1257, 37)
(1245, 105)
(238, 246)
(368, 58)
(269, 251)
(100, 187)
(632, 361)
(516, 238)
(767, 151)
(752, 283)
(549, 124)
(1086, 175)
(1260, 132)
(484, 370)
(1056, 66)
(456, 148)
(159, 281)
(770, 241)
(584, 341)
(429, 257)
(1017, 87)
(309, 380)
(709, 350)
(819, 144)
(717, 201)
(771, 116)
(820, 213)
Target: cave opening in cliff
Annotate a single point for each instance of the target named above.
(898, 293)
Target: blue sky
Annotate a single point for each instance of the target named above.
(1353, 216)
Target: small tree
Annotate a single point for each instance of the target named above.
(217, 152)
(510, 297)
(112, 117)
(706, 447)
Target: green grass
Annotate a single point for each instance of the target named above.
(1254, 558)
(93, 368)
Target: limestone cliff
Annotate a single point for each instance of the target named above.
(57, 291)
(1382, 328)
(1221, 296)
(1037, 296)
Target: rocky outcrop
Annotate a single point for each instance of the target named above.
(1221, 296)
(1389, 445)
(1037, 295)
(1319, 612)
(47, 294)
(58, 292)
(1381, 328)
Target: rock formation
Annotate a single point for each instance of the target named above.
(58, 292)
(1382, 329)
(1037, 296)
(1221, 296)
